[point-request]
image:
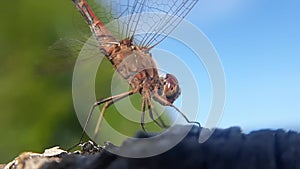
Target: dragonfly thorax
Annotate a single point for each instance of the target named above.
(134, 64)
(138, 67)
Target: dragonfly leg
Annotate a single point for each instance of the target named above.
(164, 125)
(113, 99)
(143, 114)
(163, 101)
(184, 116)
(161, 123)
(105, 106)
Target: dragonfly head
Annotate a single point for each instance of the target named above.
(171, 89)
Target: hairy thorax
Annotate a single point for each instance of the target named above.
(134, 64)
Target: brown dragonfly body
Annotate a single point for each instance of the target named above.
(136, 65)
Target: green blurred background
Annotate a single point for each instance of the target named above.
(36, 109)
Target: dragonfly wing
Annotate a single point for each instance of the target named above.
(147, 21)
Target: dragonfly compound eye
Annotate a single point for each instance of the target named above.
(171, 88)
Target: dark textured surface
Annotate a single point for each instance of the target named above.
(226, 148)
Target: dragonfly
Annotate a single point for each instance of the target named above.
(131, 56)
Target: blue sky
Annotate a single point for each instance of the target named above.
(258, 42)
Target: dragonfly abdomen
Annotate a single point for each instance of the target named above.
(103, 36)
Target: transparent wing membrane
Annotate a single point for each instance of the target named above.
(155, 18)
